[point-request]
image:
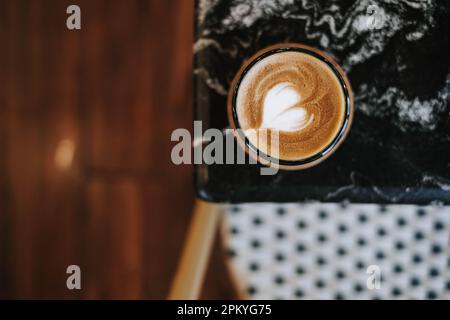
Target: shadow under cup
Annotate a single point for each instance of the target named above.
(270, 160)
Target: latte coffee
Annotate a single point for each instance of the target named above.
(297, 92)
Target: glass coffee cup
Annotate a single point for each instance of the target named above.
(296, 100)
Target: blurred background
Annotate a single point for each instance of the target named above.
(85, 170)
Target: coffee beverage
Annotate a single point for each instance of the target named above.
(297, 92)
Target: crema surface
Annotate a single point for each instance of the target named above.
(296, 94)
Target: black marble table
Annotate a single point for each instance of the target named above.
(397, 56)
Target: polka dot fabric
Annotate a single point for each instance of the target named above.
(323, 251)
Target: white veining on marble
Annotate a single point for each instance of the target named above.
(203, 7)
(439, 182)
(422, 112)
(366, 19)
(362, 31)
(212, 83)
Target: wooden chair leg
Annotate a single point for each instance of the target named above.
(191, 270)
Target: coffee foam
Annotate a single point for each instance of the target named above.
(297, 94)
(281, 109)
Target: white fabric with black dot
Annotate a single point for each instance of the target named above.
(322, 251)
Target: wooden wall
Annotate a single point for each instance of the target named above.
(85, 170)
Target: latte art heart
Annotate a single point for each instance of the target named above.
(282, 110)
(298, 96)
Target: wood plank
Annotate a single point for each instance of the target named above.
(85, 170)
